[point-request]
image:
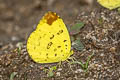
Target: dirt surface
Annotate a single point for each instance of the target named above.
(101, 35)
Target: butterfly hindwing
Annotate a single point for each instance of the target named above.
(50, 42)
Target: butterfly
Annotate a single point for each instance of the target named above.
(50, 41)
(110, 4)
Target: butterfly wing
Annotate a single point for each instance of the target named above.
(50, 42)
(110, 4)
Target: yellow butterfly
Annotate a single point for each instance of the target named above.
(110, 4)
(50, 42)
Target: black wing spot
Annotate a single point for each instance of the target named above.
(63, 55)
(61, 50)
(66, 45)
(64, 40)
(55, 49)
(65, 48)
(60, 32)
(45, 59)
(59, 46)
(46, 54)
(49, 45)
(40, 37)
(52, 37)
(55, 54)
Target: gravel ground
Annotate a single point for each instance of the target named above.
(101, 35)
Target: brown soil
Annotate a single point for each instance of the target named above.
(101, 35)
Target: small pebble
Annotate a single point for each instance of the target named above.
(58, 74)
